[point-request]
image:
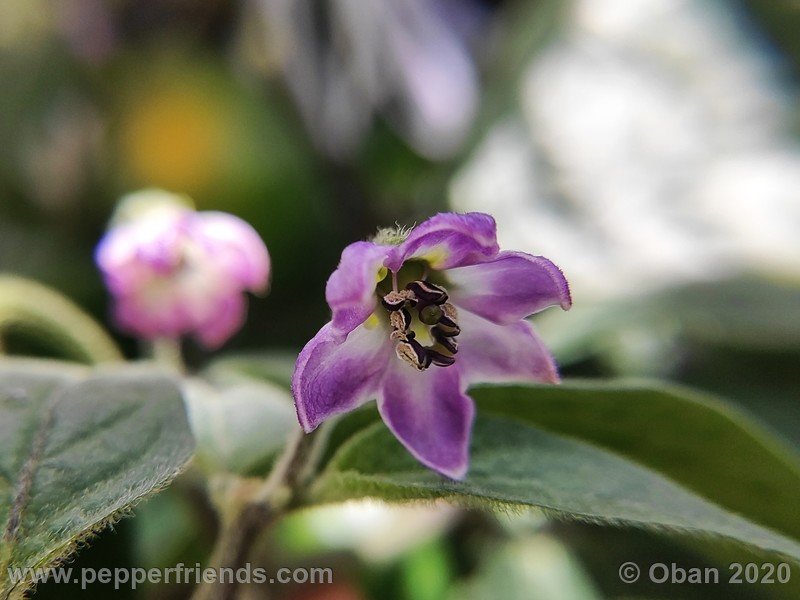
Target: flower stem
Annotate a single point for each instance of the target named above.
(249, 507)
(167, 352)
(238, 534)
(284, 473)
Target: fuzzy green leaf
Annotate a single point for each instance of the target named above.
(241, 426)
(694, 439)
(77, 449)
(516, 465)
(273, 367)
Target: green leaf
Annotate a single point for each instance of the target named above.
(515, 465)
(239, 427)
(274, 367)
(77, 449)
(42, 313)
(694, 439)
(639, 335)
(750, 311)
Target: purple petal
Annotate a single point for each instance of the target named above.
(130, 256)
(430, 414)
(220, 323)
(448, 240)
(333, 376)
(234, 247)
(492, 353)
(152, 316)
(435, 76)
(509, 287)
(115, 256)
(351, 288)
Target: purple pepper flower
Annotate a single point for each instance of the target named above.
(419, 318)
(173, 271)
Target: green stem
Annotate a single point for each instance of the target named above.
(248, 508)
(41, 312)
(167, 352)
(237, 536)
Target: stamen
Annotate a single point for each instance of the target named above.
(427, 292)
(448, 323)
(413, 353)
(439, 359)
(402, 335)
(396, 300)
(400, 320)
(450, 311)
(445, 340)
(434, 311)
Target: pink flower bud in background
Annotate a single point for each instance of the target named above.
(173, 271)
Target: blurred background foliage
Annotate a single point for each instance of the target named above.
(649, 148)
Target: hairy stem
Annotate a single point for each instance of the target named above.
(250, 507)
(237, 536)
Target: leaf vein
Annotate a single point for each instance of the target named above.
(26, 476)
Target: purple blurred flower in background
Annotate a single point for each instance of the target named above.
(173, 271)
(417, 317)
(346, 60)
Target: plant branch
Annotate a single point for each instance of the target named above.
(248, 507)
(237, 536)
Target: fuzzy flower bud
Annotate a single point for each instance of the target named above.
(173, 271)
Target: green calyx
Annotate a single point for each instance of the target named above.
(392, 236)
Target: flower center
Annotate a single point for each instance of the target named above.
(422, 307)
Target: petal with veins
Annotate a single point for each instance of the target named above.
(430, 414)
(350, 291)
(333, 376)
(448, 240)
(492, 353)
(509, 287)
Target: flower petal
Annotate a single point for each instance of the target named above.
(509, 287)
(448, 240)
(333, 376)
(225, 319)
(350, 291)
(430, 414)
(131, 254)
(492, 353)
(152, 316)
(234, 247)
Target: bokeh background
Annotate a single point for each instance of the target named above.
(649, 148)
